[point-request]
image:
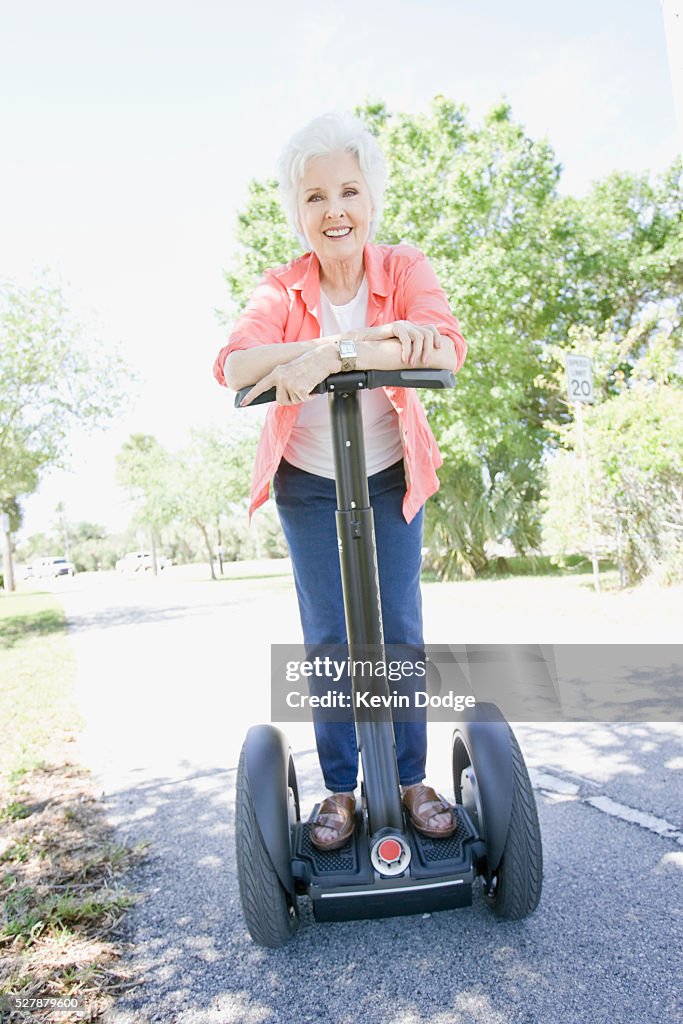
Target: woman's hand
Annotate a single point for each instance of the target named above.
(294, 381)
(418, 341)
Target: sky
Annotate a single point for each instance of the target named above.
(130, 132)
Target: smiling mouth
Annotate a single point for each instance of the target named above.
(337, 232)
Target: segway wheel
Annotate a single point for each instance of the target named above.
(513, 890)
(270, 912)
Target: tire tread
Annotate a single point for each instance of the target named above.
(520, 873)
(265, 902)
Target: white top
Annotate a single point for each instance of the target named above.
(310, 444)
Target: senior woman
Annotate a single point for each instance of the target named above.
(347, 304)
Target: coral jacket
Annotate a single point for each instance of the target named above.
(285, 307)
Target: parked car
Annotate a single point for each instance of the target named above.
(51, 568)
(140, 561)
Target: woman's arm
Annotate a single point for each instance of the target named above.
(408, 345)
(245, 366)
(389, 347)
(403, 345)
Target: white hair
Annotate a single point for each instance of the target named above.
(331, 133)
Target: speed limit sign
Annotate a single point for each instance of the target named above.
(580, 378)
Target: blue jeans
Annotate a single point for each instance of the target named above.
(306, 505)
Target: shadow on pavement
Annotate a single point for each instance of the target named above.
(138, 614)
(595, 951)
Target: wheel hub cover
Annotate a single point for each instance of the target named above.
(471, 799)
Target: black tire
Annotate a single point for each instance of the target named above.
(270, 913)
(513, 890)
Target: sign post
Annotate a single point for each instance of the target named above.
(580, 390)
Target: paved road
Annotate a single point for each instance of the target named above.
(171, 673)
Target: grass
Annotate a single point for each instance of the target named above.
(38, 712)
(61, 890)
(535, 565)
(544, 565)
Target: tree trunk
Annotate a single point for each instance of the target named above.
(220, 544)
(475, 561)
(207, 541)
(153, 543)
(7, 564)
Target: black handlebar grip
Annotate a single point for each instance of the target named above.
(267, 396)
(435, 379)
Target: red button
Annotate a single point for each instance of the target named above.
(390, 850)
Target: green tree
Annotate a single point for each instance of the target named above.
(148, 472)
(52, 379)
(264, 239)
(212, 475)
(634, 441)
(190, 490)
(50, 382)
(635, 455)
(91, 547)
(624, 251)
(39, 545)
(13, 509)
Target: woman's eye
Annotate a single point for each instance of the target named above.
(345, 193)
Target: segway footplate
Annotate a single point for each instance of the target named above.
(343, 884)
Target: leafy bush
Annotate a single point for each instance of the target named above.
(635, 451)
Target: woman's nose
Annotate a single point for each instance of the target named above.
(334, 211)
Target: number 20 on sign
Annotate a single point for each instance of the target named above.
(579, 378)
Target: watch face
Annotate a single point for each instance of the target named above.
(347, 348)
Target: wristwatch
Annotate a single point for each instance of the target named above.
(348, 354)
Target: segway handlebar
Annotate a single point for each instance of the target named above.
(365, 380)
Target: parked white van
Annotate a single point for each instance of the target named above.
(51, 568)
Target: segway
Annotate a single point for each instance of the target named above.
(387, 868)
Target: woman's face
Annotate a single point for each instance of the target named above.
(334, 206)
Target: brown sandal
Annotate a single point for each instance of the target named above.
(423, 804)
(336, 815)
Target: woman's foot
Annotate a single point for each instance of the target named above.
(429, 814)
(332, 826)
